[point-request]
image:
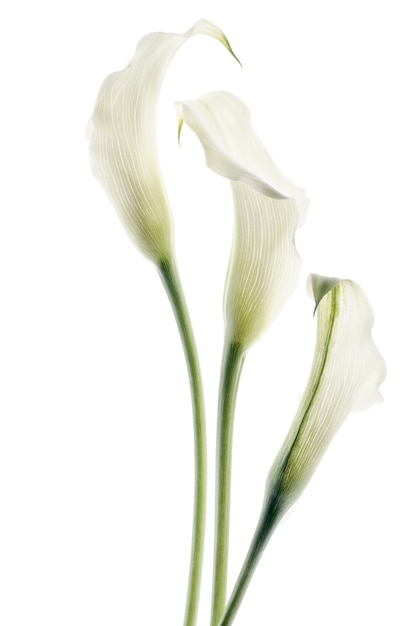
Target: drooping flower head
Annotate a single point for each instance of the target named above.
(264, 263)
(123, 142)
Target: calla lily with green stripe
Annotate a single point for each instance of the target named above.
(345, 375)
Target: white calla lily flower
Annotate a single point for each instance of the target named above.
(346, 372)
(123, 141)
(124, 158)
(263, 270)
(264, 263)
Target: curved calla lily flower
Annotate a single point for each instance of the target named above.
(123, 145)
(124, 158)
(346, 372)
(263, 269)
(264, 264)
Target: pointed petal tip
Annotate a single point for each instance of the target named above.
(226, 43)
(206, 27)
(319, 286)
(180, 120)
(222, 122)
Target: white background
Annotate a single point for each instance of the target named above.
(96, 469)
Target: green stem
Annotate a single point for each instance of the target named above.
(233, 358)
(263, 532)
(170, 278)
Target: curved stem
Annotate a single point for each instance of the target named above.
(233, 358)
(170, 278)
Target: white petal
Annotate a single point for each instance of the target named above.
(264, 264)
(346, 373)
(222, 122)
(123, 139)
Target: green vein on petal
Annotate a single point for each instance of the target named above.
(345, 375)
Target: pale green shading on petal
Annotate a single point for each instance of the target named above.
(123, 142)
(346, 372)
(264, 264)
(205, 27)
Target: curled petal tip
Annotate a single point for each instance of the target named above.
(123, 139)
(264, 263)
(208, 28)
(180, 121)
(229, 48)
(319, 286)
(223, 124)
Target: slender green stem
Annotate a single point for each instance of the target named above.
(233, 358)
(260, 539)
(169, 276)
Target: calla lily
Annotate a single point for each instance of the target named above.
(124, 159)
(264, 263)
(123, 143)
(346, 372)
(263, 269)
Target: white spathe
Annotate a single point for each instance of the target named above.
(264, 264)
(346, 372)
(123, 142)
